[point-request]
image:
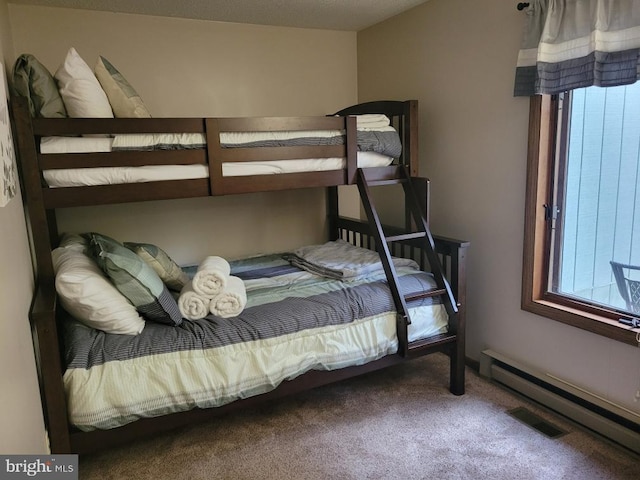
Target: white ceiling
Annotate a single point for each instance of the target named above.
(349, 15)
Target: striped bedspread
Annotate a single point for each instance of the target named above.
(294, 321)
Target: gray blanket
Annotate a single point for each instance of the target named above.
(341, 260)
(383, 142)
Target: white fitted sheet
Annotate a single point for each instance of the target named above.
(77, 177)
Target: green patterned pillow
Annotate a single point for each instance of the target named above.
(135, 280)
(124, 100)
(168, 270)
(33, 81)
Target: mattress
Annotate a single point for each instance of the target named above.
(79, 177)
(378, 145)
(294, 322)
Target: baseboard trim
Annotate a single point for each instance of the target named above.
(614, 424)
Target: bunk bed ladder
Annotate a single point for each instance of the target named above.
(367, 178)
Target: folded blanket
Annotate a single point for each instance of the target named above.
(231, 301)
(192, 305)
(211, 277)
(158, 141)
(372, 120)
(341, 260)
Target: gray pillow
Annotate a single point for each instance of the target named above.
(33, 81)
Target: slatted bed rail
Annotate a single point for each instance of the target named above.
(213, 156)
(452, 254)
(403, 116)
(224, 185)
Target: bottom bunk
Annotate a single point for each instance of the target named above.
(297, 330)
(293, 321)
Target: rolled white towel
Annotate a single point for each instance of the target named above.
(211, 277)
(192, 306)
(231, 301)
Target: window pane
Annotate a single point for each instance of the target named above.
(598, 195)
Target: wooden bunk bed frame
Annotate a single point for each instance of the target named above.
(41, 203)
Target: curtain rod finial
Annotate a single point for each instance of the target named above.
(522, 5)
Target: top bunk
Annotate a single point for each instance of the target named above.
(68, 162)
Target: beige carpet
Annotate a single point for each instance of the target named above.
(397, 423)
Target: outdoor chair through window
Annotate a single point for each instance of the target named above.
(629, 287)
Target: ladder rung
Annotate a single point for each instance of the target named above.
(393, 181)
(427, 294)
(426, 343)
(405, 236)
(390, 175)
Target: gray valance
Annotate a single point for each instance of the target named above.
(571, 44)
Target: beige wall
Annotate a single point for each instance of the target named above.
(458, 60)
(199, 68)
(196, 68)
(21, 424)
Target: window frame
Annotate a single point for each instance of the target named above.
(541, 158)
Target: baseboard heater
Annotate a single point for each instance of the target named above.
(595, 413)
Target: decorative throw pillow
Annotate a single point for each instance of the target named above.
(80, 90)
(168, 270)
(124, 100)
(90, 297)
(33, 81)
(135, 280)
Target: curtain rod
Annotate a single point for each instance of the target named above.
(522, 5)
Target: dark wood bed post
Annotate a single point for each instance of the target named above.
(452, 249)
(458, 355)
(454, 254)
(42, 313)
(40, 219)
(332, 213)
(410, 134)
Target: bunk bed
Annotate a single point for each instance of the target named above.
(444, 258)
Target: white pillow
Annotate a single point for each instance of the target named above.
(80, 90)
(73, 241)
(90, 297)
(124, 100)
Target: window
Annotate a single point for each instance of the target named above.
(583, 208)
